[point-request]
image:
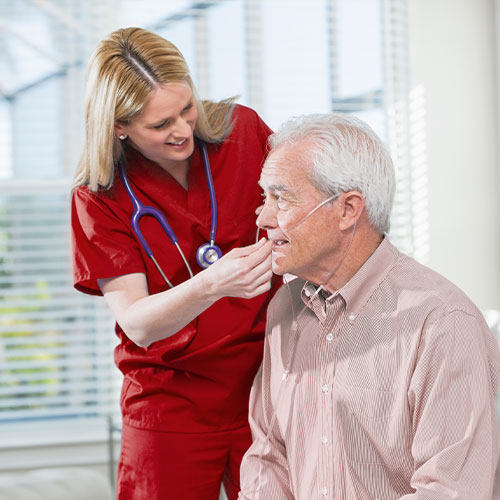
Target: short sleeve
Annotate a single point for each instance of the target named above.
(103, 246)
(263, 132)
(252, 129)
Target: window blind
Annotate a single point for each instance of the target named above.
(56, 345)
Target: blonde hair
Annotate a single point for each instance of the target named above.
(122, 72)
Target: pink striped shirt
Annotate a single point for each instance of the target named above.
(390, 394)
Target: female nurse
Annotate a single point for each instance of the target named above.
(189, 345)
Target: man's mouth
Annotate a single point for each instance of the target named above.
(279, 244)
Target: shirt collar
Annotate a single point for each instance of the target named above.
(358, 290)
(313, 300)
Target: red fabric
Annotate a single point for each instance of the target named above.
(180, 466)
(199, 379)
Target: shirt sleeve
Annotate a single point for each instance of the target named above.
(264, 468)
(103, 245)
(253, 124)
(263, 132)
(452, 394)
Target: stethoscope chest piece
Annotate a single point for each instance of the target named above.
(207, 254)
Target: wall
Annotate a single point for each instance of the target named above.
(453, 58)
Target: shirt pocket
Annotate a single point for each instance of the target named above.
(364, 417)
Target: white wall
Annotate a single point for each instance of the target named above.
(453, 58)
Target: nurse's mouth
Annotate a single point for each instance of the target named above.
(178, 144)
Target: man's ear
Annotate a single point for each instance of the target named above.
(352, 206)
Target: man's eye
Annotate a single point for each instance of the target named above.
(282, 204)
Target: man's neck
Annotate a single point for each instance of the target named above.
(360, 250)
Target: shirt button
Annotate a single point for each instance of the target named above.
(324, 440)
(307, 292)
(324, 491)
(329, 337)
(324, 388)
(352, 317)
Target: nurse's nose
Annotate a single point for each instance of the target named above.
(182, 128)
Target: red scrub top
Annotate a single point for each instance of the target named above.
(199, 379)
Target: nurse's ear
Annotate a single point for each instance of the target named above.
(120, 131)
(352, 206)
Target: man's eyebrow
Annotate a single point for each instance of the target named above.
(282, 188)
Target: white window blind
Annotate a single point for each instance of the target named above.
(282, 57)
(56, 344)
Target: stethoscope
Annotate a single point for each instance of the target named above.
(208, 253)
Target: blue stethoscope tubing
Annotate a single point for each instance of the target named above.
(208, 253)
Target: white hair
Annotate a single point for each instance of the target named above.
(346, 155)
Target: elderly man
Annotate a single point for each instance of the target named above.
(379, 376)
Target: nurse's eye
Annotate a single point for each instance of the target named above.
(162, 125)
(188, 107)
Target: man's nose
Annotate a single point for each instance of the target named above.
(267, 217)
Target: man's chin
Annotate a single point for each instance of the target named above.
(277, 269)
(281, 263)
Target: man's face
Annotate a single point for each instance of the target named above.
(303, 246)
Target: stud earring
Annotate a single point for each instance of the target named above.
(123, 137)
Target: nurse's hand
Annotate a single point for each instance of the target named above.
(243, 272)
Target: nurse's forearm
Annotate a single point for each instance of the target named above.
(159, 316)
(243, 272)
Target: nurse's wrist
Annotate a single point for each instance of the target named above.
(207, 285)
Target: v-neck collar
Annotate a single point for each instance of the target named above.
(160, 186)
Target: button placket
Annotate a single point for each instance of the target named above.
(333, 326)
(327, 363)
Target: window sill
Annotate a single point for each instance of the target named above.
(57, 443)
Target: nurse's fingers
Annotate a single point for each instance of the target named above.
(260, 268)
(258, 280)
(250, 249)
(258, 254)
(263, 278)
(261, 287)
(239, 272)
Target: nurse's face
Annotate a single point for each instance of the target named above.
(303, 245)
(163, 131)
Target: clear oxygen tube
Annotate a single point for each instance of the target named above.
(294, 336)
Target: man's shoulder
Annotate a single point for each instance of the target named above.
(424, 285)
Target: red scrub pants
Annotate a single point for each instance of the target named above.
(158, 465)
